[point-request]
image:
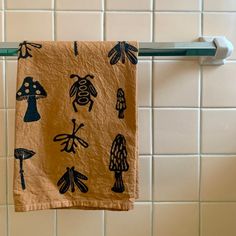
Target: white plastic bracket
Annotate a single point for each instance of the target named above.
(224, 49)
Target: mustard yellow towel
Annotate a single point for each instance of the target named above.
(76, 126)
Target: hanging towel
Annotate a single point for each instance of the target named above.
(76, 126)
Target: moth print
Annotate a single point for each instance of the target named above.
(25, 48)
(118, 162)
(71, 178)
(119, 51)
(70, 141)
(82, 90)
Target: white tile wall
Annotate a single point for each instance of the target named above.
(187, 117)
(183, 217)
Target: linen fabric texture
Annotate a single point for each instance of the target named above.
(76, 126)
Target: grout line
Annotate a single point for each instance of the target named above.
(5, 114)
(53, 38)
(53, 19)
(152, 121)
(104, 6)
(104, 222)
(119, 11)
(168, 108)
(200, 126)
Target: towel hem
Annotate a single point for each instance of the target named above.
(78, 204)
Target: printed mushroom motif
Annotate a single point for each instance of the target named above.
(120, 103)
(118, 162)
(23, 154)
(31, 91)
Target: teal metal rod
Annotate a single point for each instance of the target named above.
(146, 49)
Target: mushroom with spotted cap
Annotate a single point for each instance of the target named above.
(31, 91)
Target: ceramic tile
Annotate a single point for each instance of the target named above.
(1, 25)
(78, 5)
(28, 25)
(10, 169)
(11, 71)
(218, 219)
(28, 4)
(78, 31)
(178, 219)
(3, 180)
(175, 5)
(3, 220)
(218, 178)
(70, 223)
(30, 223)
(133, 5)
(140, 217)
(144, 122)
(3, 132)
(176, 178)
(218, 131)
(144, 83)
(128, 26)
(169, 27)
(218, 24)
(11, 132)
(175, 131)
(145, 178)
(2, 87)
(222, 5)
(180, 88)
(218, 86)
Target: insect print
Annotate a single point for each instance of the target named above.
(82, 89)
(69, 179)
(70, 141)
(25, 49)
(120, 50)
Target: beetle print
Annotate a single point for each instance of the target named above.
(82, 89)
(69, 179)
(69, 140)
(25, 48)
(120, 50)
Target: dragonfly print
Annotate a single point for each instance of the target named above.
(71, 178)
(70, 141)
(120, 50)
(25, 48)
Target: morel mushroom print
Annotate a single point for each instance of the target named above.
(120, 50)
(69, 179)
(82, 89)
(31, 91)
(70, 140)
(24, 50)
(22, 154)
(120, 103)
(118, 162)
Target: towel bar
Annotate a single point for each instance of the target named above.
(213, 50)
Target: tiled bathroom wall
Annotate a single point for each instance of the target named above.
(187, 117)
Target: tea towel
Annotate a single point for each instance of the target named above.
(76, 126)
